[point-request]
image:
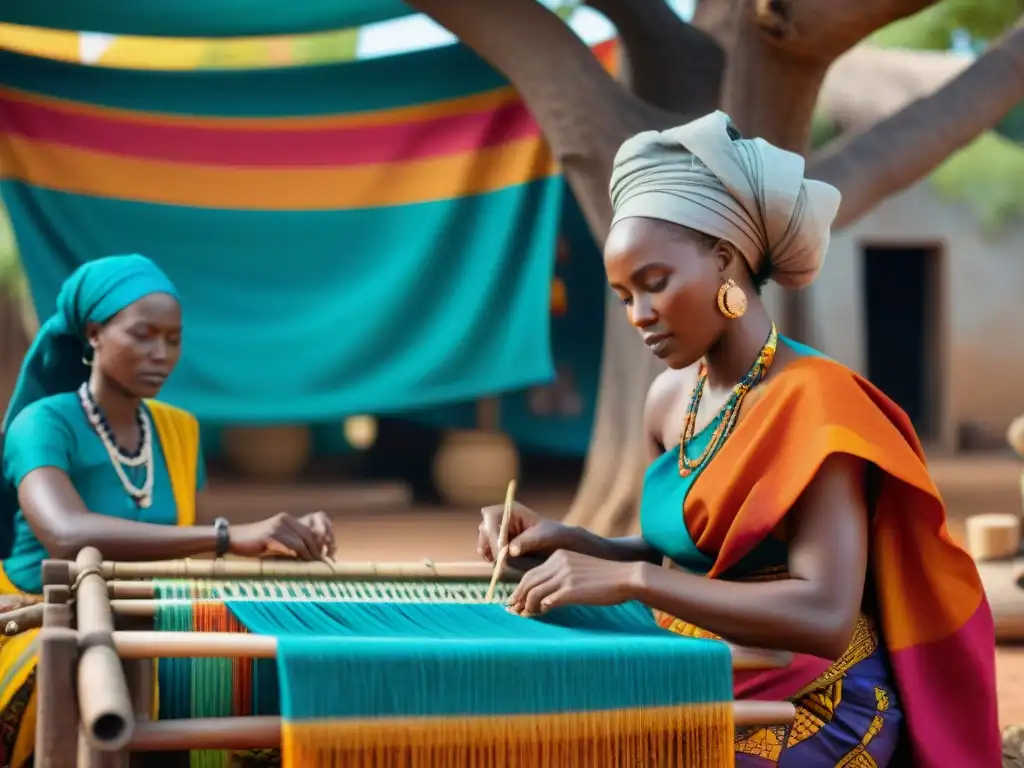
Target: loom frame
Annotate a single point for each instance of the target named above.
(105, 656)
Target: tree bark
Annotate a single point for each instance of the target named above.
(665, 61)
(905, 147)
(585, 115)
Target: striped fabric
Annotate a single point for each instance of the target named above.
(385, 228)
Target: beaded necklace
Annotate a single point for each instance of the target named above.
(143, 457)
(730, 411)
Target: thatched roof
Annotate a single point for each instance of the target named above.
(869, 83)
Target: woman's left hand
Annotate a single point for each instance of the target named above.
(320, 524)
(569, 578)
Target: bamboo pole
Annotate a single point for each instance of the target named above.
(265, 732)
(57, 713)
(292, 569)
(103, 699)
(148, 645)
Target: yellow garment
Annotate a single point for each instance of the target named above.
(178, 432)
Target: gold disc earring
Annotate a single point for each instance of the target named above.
(732, 301)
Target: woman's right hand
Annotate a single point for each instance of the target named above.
(529, 534)
(284, 535)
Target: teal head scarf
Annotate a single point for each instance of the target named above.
(94, 293)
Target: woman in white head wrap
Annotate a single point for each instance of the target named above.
(777, 475)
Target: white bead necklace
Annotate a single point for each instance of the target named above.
(143, 496)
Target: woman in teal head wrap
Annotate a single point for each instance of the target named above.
(90, 460)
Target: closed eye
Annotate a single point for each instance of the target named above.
(658, 285)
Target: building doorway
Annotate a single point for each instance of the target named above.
(903, 311)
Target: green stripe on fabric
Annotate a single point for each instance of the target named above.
(388, 82)
(200, 18)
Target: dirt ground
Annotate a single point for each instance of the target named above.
(447, 534)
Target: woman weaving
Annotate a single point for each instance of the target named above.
(796, 510)
(89, 460)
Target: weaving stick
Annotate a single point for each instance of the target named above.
(290, 569)
(146, 644)
(502, 553)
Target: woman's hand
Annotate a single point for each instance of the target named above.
(528, 533)
(309, 537)
(569, 578)
(10, 603)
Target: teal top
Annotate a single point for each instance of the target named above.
(55, 432)
(55, 363)
(664, 494)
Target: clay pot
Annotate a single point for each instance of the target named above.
(273, 453)
(472, 468)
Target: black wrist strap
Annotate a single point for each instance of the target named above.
(223, 530)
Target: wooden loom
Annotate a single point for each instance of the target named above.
(98, 645)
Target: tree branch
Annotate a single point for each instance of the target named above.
(584, 113)
(667, 62)
(820, 30)
(907, 146)
(780, 52)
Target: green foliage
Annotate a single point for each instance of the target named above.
(932, 28)
(985, 175)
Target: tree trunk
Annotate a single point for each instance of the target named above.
(585, 116)
(675, 67)
(908, 145)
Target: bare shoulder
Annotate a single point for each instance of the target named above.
(668, 387)
(666, 401)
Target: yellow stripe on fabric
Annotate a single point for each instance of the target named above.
(85, 172)
(178, 431)
(18, 657)
(44, 43)
(697, 735)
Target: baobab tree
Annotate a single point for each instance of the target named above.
(763, 62)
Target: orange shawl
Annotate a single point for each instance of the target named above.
(934, 617)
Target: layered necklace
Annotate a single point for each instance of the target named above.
(729, 413)
(143, 457)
